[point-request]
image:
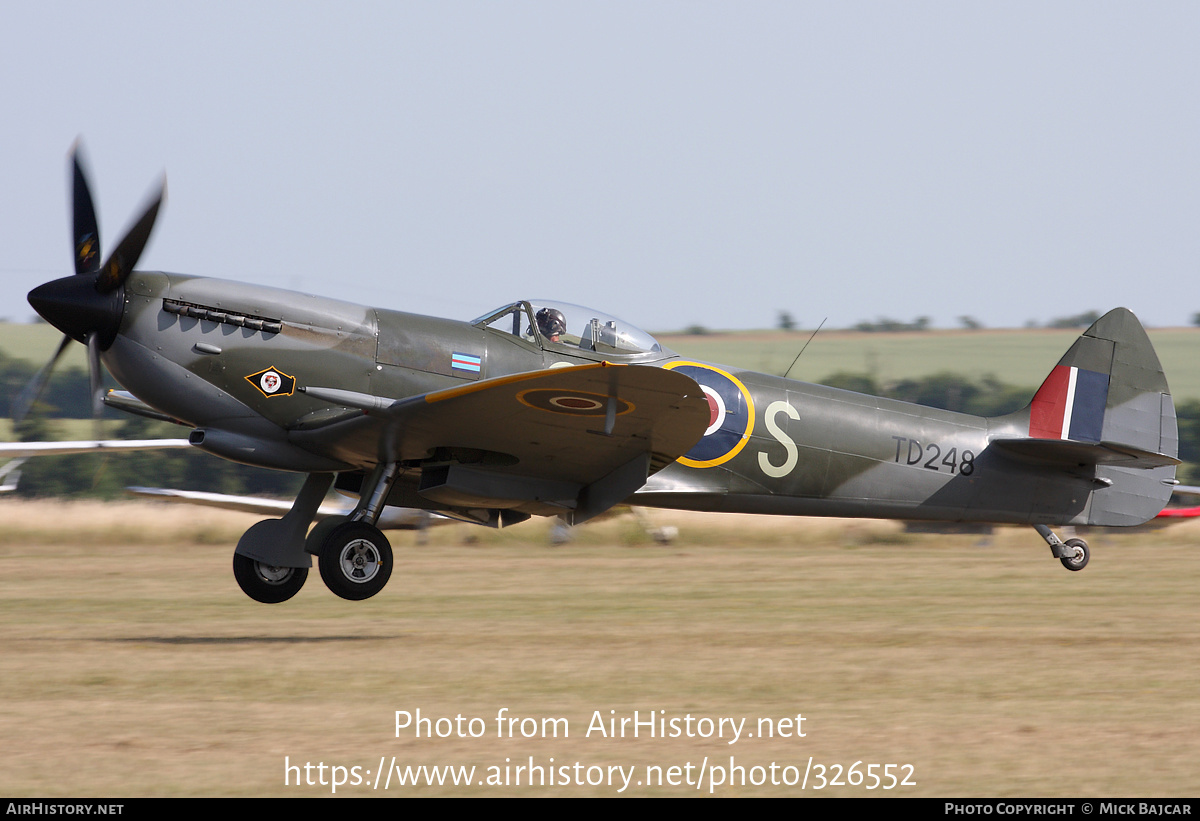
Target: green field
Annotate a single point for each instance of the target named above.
(35, 342)
(133, 666)
(1018, 357)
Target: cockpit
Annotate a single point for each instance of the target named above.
(561, 324)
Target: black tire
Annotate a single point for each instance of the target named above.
(267, 584)
(355, 560)
(1080, 559)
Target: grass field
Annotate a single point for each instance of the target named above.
(1014, 356)
(1018, 356)
(133, 666)
(35, 342)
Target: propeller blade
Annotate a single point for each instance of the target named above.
(85, 234)
(93, 354)
(30, 394)
(94, 376)
(117, 267)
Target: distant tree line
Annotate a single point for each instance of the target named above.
(885, 325)
(786, 321)
(107, 475)
(987, 396)
(62, 397)
(1187, 413)
(923, 323)
(1082, 320)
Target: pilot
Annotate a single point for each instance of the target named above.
(551, 323)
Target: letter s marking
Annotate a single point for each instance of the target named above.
(789, 464)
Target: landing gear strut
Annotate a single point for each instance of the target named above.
(353, 555)
(1073, 553)
(270, 564)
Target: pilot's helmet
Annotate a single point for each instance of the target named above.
(551, 322)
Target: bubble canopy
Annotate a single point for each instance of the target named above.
(586, 328)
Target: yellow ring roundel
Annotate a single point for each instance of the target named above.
(731, 419)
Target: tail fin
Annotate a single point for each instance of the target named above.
(1105, 406)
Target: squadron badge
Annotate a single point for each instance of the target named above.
(273, 382)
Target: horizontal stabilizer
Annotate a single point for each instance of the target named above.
(1079, 454)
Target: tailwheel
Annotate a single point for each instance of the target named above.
(355, 560)
(266, 583)
(1077, 554)
(1073, 553)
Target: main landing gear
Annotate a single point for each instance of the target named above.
(1073, 553)
(353, 555)
(355, 559)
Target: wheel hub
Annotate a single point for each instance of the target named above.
(360, 561)
(272, 574)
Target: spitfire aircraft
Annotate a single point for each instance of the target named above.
(549, 409)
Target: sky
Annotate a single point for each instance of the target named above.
(671, 163)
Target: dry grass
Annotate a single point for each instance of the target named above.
(131, 664)
(116, 523)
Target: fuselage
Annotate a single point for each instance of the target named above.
(230, 358)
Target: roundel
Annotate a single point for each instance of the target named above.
(571, 402)
(730, 415)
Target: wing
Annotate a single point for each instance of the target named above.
(571, 441)
(392, 518)
(243, 504)
(26, 449)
